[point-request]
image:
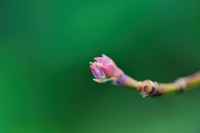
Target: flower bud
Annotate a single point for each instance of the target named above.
(105, 69)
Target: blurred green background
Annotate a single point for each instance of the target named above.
(45, 82)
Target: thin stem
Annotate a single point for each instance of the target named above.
(149, 88)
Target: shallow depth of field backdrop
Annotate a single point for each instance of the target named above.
(45, 82)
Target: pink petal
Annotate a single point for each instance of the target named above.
(97, 71)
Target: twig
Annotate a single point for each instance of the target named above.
(105, 70)
(150, 88)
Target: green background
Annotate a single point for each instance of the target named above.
(45, 82)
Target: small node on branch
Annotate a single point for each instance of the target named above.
(147, 88)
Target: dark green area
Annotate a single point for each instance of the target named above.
(45, 82)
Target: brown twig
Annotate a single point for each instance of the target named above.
(105, 70)
(150, 88)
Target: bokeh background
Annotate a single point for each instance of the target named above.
(45, 82)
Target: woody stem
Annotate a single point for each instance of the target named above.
(149, 88)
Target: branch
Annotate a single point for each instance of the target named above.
(150, 88)
(105, 70)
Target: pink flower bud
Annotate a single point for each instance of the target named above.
(105, 69)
